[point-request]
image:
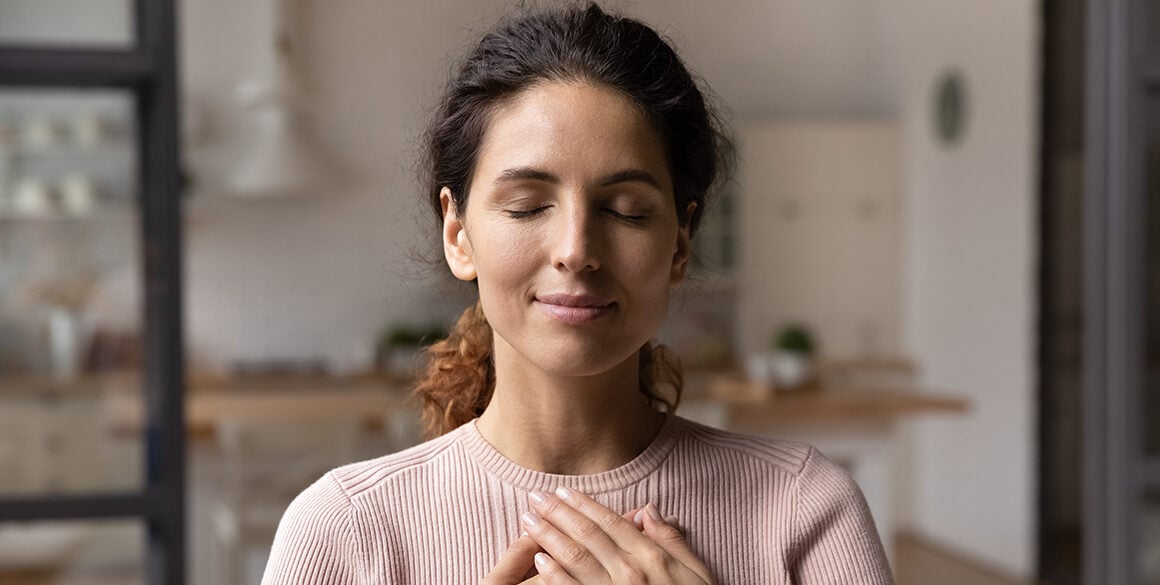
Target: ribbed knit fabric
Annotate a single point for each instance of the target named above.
(755, 510)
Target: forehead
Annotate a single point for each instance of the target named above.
(575, 130)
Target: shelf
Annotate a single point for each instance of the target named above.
(120, 210)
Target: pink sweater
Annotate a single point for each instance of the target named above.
(441, 513)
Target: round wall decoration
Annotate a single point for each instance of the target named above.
(950, 107)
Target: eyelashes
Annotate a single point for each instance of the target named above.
(625, 217)
(528, 213)
(522, 214)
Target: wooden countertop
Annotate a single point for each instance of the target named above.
(752, 405)
(279, 398)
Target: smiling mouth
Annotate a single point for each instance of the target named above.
(575, 309)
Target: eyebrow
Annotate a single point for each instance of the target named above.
(534, 174)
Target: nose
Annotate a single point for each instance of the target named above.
(575, 245)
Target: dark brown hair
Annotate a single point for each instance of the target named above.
(565, 44)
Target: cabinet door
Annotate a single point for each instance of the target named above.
(819, 209)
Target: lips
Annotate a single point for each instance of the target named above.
(575, 309)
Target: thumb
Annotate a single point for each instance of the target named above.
(670, 538)
(515, 564)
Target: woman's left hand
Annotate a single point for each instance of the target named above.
(587, 543)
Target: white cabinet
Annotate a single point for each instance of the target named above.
(819, 221)
(52, 444)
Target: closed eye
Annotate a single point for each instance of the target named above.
(625, 216)
(524, 213)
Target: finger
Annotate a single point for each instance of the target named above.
(631, 517)
(613, 535)
(637, 519)
(670, 538)
(551, 572)
(575, 557)
(514, 564)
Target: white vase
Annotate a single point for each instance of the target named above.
(790, 369)
(64, 329)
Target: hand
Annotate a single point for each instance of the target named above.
(585, 542)
(516, 564)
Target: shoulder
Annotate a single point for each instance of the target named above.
(318, 538)
(321, 509)
(788, 457)
(315, 540)
(359, 478)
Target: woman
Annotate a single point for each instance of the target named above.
(570, 161)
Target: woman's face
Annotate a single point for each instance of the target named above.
(570, 229)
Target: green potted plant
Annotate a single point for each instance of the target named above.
(793, 353)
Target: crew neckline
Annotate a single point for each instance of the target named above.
(512, 473)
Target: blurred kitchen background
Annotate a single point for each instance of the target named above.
(208, 210)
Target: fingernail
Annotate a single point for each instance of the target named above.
(638, 519)
(563, 492)
(671, 520)
(531, 519)
(653, 512)
(541, 561)
(537, 497)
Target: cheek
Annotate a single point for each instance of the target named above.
(505, 258)
(653, 260)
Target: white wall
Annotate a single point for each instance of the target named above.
(969, 270)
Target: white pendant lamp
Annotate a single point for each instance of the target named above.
(278, 158)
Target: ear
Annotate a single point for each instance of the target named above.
(456, 245)
(683, 250)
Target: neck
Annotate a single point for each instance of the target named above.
(570, 425)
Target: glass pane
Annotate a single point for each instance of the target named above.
(93, 553)
(70, 356)
(1151, 423)
(78, 23)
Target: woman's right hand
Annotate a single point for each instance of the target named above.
(517, 565)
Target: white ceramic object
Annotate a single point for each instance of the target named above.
(77, 195)
(790, 369)
(30, 198)
(64, 335)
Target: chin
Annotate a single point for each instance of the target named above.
(571, 361)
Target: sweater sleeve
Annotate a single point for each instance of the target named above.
(835, 541)
(315, 541)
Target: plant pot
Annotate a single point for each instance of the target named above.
(790, 369)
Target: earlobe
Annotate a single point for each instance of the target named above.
(456, 244)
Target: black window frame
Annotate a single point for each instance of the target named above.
(148, 69)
